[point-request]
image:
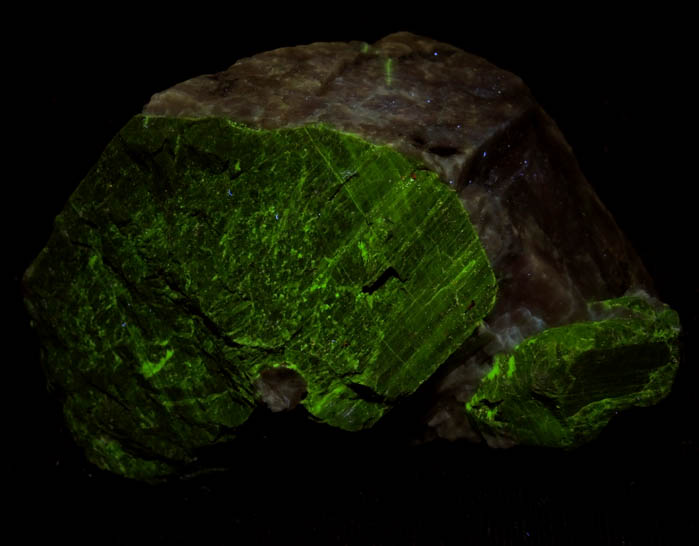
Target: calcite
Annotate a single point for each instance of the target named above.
(336, 227)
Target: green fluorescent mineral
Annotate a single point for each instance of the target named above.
(330, 227)
(559, 388)
(199, 256)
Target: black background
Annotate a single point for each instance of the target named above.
(616, 84)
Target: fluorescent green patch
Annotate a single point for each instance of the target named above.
(219, 251)
(568, 382)
(362, 248)
(494, 371)
(149, 369)
(511, 366)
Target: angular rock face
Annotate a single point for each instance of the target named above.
(336, 226)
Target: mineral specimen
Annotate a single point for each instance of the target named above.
(334, 227)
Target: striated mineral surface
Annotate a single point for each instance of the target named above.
(344, 229)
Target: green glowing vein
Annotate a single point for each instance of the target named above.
(149, 369)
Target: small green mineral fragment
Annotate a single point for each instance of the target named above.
(559, 388)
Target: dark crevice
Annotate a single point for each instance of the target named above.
(387, 275)
(417, 140)
(138, 450)
(490, 404)
(206, 161)
(294, 334)
(240, 296)
(342, 185)
(193, 308)
(117, 271)
(142, 158)
(81, 244)
(444, 151)
(366, 393)
(184, 301)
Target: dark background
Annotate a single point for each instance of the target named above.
(617, 86)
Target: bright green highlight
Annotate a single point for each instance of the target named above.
(388, 71)
(198, 253)
(149, 369)
(561, 387)
(511, 366)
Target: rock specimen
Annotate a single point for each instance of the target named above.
(336, 226)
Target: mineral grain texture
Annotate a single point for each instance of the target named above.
(342, 227)
(203, 265)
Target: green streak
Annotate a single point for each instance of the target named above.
(149, 369)
(511, 366)
(388, 71)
